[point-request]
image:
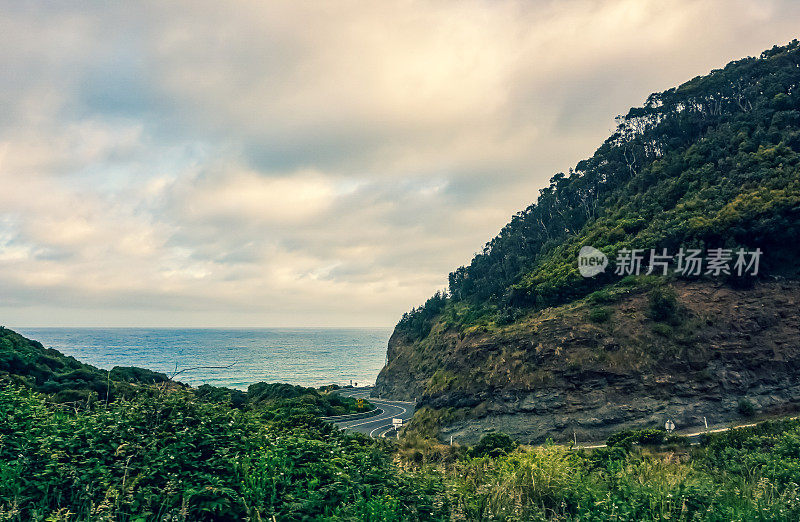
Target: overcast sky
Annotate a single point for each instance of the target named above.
(307, 163)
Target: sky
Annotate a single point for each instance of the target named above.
(306, 164)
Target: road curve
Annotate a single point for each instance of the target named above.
(381, 424)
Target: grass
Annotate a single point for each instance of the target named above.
(165, 455)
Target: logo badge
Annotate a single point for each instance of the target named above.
(591, 261)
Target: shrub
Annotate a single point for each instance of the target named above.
(168, 456)
(664, 330)
(601, 297)
(746, 408)
(508, 315)
(493, 445)
(208, 393)
(663, 304)
(135, 374)
(599, 314)
(648, 436)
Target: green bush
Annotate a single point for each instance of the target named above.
(663, 304)
(664, 330)
(599, 314)
(633, 436)
(492, 445)
(746, 408)
(745, 474)
(65, 378)
(508, 315)
(168, 456)
(601, 297)
(221, 395)
(138, 375)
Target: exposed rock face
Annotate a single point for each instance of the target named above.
(557, 375)
(399, 380)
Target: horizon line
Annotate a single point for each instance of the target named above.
(184, 327)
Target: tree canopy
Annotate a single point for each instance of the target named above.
(711, 163)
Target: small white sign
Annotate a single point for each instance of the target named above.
(669, 426)
(397, 422)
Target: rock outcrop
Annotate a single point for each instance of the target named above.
(556, 374)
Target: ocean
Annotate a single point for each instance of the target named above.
(304, 356)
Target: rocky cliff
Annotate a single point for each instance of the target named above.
(557, 374)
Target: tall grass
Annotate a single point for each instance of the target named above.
(164, 455)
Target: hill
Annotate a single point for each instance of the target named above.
(523, 342)
(66, 379)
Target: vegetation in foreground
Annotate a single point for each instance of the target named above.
(164, 451)
(164, 454)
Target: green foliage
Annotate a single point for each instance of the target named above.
(663, 304)
(219, 395)
(65, 378)
(746, 408)
(601, 297)
(137, 375)
(745, 474)
(493, 445)
(649, 436)
(418, 322)
(265, 391)
(599, 314)
(664, 330)
(508, 315)
(712, 163)
(285, 401)
(168, 456)
(764, 458)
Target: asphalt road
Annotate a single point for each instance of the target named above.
(381, 424)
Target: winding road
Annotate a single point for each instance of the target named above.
(380, 425)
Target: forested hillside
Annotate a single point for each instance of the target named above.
(711, 163)
(523, 343)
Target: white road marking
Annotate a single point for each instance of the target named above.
(385, 416)
(383, 435)
(379, 419)
(387, 426)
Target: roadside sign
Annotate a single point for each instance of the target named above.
(669, 425)
(397, 423)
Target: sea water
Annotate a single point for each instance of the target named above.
(304, 356)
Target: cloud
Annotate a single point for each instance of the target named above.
(250, 197)
(307, 163)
